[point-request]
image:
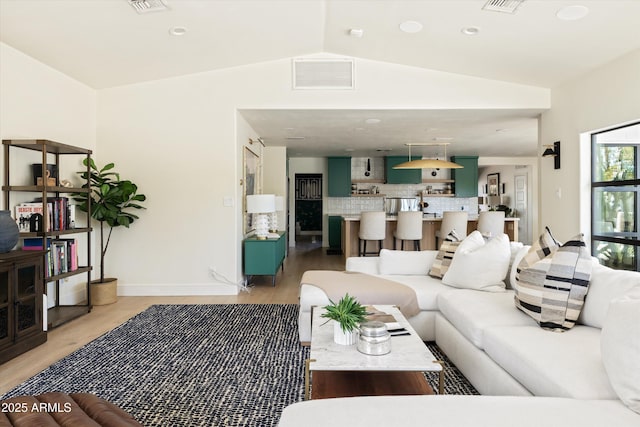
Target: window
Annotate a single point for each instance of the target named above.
(615, 191)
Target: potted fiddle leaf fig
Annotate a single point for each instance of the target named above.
(113, 201)
(347, 315)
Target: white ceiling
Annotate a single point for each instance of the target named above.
(105, 43)
(492, 133)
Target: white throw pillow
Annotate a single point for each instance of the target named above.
(606, 285)
(406, 262)
(479, 265)
(513, 268)
(620, 348)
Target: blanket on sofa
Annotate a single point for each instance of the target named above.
(367, 289)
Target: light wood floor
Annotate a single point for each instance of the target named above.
(69, 337)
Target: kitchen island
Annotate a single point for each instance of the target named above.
(430, 224)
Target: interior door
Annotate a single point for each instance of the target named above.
(521, 206)
(308, 205)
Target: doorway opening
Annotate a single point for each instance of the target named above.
(308, 205)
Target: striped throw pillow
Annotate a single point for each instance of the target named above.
(445, 255)
(540, 249)
(552, 290)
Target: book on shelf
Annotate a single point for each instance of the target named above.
(69, 249)
(60, 214)
(62, 254)
(34, 244)
(24, 212)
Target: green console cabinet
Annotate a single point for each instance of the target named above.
(335, 235)
(339, 176)
(466, 179)
(264, 257)
(400, 176)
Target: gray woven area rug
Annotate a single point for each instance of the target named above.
(197, 365)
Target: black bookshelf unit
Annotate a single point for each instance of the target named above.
(51, 152)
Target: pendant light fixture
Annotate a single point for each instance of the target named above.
(428, 163)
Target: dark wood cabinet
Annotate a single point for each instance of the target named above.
(21, 299)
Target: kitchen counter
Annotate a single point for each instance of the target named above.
(429, 217)
(430, 224)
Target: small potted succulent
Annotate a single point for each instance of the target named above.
(347, 315)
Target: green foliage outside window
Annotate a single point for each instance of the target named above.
(615, 163)
(616, 197)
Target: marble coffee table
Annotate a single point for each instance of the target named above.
(332, 367)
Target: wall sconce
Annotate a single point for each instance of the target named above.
(251, 141)
(555, 151)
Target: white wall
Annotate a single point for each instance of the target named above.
(190, 125)
(606, 97)
(508, 168)
(38, 102)
(275, 181)
(178, 139)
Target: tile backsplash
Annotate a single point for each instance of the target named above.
(437, 205)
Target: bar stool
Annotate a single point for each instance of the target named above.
(373, 226)
(409, 228)
(452, 220)
(491, 223)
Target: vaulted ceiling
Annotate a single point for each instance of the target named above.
(105, 43)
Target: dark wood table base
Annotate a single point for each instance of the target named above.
(330, 384)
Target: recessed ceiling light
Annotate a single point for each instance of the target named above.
(572, 13)
(372, 121)
(177, 31)
(295, 137)
(470, 31)
(411, 27)
(356, 32)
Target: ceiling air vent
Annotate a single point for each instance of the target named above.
(146, 6)
(505, 6)
(313, 73)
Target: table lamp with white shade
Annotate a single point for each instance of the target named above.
(261, 205)
(274, 215)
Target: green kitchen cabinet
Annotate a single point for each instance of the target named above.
(335, 234)
(466, 179)
(339, 171)
(264, 257)
(400, 176)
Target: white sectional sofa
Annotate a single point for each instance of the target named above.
(502, 351)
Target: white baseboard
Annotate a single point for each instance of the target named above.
(169, 289)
